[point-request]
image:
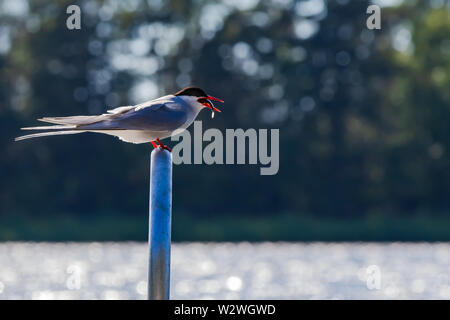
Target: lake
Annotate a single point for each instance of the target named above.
(228, 270)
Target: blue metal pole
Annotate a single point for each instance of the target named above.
(159, 236)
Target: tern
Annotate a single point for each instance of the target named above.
(146, 122)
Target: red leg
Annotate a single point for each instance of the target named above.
(162, 146)
(154, 144)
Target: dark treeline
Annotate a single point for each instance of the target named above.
(363, 114)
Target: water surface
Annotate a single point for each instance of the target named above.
(228, 271)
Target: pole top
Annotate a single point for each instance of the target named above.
(161, 153)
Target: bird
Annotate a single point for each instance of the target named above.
(146, 122)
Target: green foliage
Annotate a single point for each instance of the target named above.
(363, 122)
(279, 227)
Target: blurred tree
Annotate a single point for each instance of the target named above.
(362, 113)
(416, 147)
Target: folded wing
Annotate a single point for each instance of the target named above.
(160, 117)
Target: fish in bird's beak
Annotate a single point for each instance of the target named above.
(207, 103)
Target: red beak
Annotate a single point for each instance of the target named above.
(213, 98)
(210, 105)
(215, 109)
(207, 103)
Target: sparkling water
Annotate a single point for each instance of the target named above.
(228, 270)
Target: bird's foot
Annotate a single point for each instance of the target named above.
(160, 145)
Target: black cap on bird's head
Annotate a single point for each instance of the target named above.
(201, 96)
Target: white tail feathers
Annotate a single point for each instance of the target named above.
(73, 120)
(51, 133)
(49, 128)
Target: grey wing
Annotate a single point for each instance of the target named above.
(85, 120)
(79, 121)
(156, 117)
